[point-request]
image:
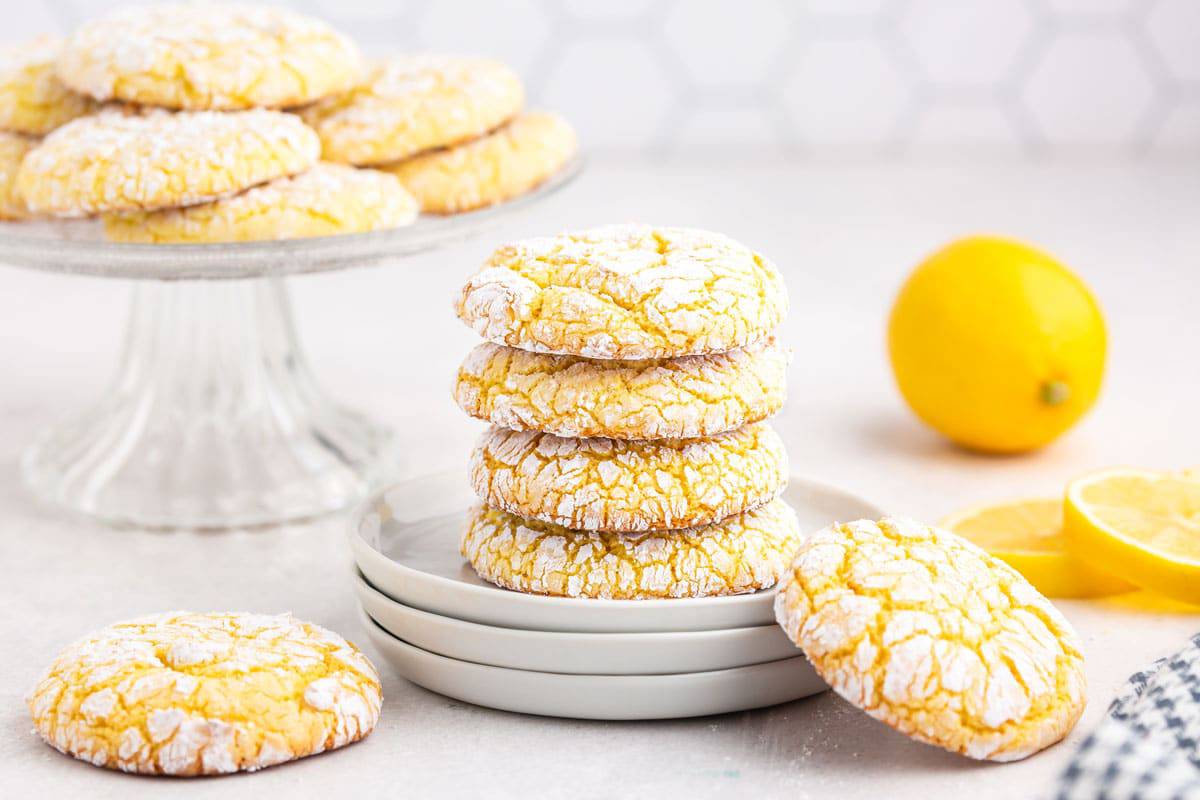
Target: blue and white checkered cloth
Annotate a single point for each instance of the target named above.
(1148, 747)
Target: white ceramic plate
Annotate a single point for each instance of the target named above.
(576, 653)
(405, 540)
(551, 694)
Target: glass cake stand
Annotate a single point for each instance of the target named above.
(213, 419)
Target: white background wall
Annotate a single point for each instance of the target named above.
(812, 78)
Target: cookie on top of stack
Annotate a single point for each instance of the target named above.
(171, 122)
(627, 374)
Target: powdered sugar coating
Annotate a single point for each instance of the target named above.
(209, 56)
(327, 200)
(199, 694)
(615, 485)
(117, 161)
(928, 633)
(679, 398)
(503, 164)
(625, 292)
(743, 553)
(13, 148)
(409, 104)
(33, 101)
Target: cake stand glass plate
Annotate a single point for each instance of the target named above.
(605, 697)
(405, 541)
(575, 653)
(214, 419)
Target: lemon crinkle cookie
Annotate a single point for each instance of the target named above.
(326, 200)
(200, 56)
(13, 148)
(742, 553)
(491, 169)
(625, 292)
(933, 636)
(132, 162)
(651, 399)
(33, 101)
(614, 485)
(408, 104)
(198, 694)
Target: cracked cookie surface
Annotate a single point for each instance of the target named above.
(743, 553)
(115, 161)
(928, 633)
(200, 694)
(679, 398)
(615, 485)
(33, 101)
(326, 200)
(13, 148)
(501, 165)
(409, 104)
(201, 56)
(625, 292)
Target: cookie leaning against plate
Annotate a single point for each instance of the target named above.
(409, 104)
(504, 164)
(201, 694)
(218, 56)
(625, 292)
(928, 633)
(13, 148)
(615, 485)
(742, 553)
(121, 162)
(33, 101)
(679, 398)
(326, 200)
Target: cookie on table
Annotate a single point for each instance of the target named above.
(200, 56)
(33, 101)
(679, 398)
(928, 633)
(742, 553)
(625, 292)
(13, 148)
(203, 694)
(327, 200)
(409, 104)
(499, 166)
(616, 485)
(117, 161)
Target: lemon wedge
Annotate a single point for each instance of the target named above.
(1028, 535)
(1142, 525)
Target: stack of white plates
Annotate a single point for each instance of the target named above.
(443, 628)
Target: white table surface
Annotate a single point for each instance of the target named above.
(385, 340)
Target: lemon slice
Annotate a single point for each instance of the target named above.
(1028, 535)
(1143, 525)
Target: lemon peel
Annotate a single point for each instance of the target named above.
(409, 104)
(680, 398)
(199, 694)
(625, 292)
(115, 161)
(743, 553)
(209, 56)
(934, 637)
(616, 485)
(496, 167)
(326, 200)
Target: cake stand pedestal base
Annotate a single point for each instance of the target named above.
(213, 421)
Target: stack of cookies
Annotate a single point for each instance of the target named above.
(627, 374)
(172, 123)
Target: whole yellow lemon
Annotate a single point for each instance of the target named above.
(996, 344)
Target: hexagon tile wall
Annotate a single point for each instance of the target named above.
(814, 78)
